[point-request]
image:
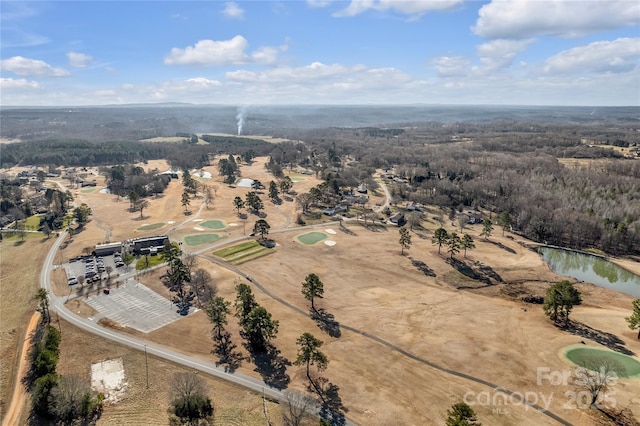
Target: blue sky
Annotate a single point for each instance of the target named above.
(509, 52)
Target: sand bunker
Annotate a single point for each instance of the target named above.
(330, 231)
(197, 220)
(171, 222)
(245, 183)
(105, 191)
(233, 224)
(108, 377)
(330, 243)
(198, 228)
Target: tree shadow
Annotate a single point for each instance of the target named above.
(502, 246)
(609, 340)
(422, 267)
(374, 227)
(225, 351)
(476, 271)
(332, 409)
(272, 367)
(347, 230)
(326, 322)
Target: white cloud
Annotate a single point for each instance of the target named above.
(203, 82)
(563, 18)
(314, 71)
(620, 55)
(220, 53)
(210, 52)
(452, 66)
(31, 67)
(318, 3)
(413, 8)
(20, 83)
(78, 60)
(233, 11)
(498, 54)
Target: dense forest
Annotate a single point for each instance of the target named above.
(567, 176)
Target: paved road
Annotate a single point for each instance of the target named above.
(57, 305)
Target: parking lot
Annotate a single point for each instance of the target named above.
(134, 305)
(91, 268)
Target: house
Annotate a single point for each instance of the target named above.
(413, 207)
(144, 245)
(398, 219)
(474, 217)
(362, 189)
(107, 249)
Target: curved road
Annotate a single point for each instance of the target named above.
(57, 305)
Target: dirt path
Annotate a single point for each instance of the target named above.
(12, 416)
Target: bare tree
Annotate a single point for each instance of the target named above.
(72, 399)
(295, 411)
(596, 376)
(203, 287)
(189, 400)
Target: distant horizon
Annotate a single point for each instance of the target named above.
(257, 105)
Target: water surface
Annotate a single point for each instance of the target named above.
(591, 269)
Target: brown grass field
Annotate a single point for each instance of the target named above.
(20, 263)
(443, 318)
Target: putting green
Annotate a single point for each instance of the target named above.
(199, 239)
(87, 191)
(586, 356)
(310, 238)
(213, 224)
(151, 226)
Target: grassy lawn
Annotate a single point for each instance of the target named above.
(213, 224)
(243, 252)
(198, 239)
(151, 226)
(145, 262)
(311, 238)
(32, 222)
(595, 357)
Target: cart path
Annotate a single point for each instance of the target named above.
(515, 395)
(19, 396)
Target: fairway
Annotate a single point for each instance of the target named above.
(213, 224)
(151, 227)
(243, 252)
(584, 356)
(199, 239)
(311, 238)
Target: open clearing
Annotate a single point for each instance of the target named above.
(410, 304)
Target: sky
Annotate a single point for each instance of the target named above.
(507, 52)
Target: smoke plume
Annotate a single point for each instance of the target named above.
(240, 119)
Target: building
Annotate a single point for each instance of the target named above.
(144, 245)
(107, 249)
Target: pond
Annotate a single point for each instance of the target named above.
(591, 269)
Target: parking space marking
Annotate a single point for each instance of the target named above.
(135, 305)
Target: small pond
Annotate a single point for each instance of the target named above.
(591, 269)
